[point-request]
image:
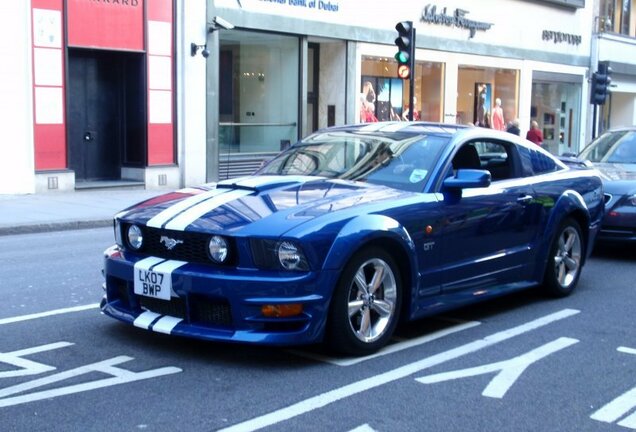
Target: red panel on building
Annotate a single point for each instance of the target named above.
(49, 136)
(160, 144)
(160, 10)
(160, 46)
(47, 4)
(50, 148)
(114, 24)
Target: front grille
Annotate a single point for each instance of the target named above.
(175, 307)
(191, 247)
(203, 310)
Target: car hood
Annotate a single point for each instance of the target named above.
(617, 178)
(260, 205)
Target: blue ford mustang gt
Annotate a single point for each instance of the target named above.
(351, 230)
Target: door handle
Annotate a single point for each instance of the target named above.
(525, 199)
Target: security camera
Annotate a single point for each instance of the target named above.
(205, 53)
(221, 23)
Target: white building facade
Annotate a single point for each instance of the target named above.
(290, 67)
(226, 84)
(614, 41)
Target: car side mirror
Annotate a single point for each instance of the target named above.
(468, 178)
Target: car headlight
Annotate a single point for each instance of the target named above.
(290, 256)
(277, 255)
(218, 249)
(135, 237)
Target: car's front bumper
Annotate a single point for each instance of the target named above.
(211, 304)
(619, 224)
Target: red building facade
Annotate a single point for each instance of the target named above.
(103, 89)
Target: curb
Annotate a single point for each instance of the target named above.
(55, 226)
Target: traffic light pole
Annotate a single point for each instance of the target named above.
(594, 120)
(405, 57)
(412, 79)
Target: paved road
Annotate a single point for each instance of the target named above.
(520, 363)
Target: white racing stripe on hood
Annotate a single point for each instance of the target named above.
(180, 222)
(172, 211)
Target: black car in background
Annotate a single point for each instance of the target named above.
(614, 155)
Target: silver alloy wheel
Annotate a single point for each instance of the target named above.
(372, 300)
(567, 260)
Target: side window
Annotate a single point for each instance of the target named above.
(495, 157)
(541, 163)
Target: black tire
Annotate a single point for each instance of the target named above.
(565, 260)
(363, 314)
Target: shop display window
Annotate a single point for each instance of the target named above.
(258, 91)
(384, 97)
(484, 92)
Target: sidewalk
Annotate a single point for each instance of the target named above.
(56, 211)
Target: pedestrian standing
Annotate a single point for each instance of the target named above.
(513, 127)
(534, 134)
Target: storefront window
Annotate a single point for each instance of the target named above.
(486, 92)
(617, 16)
(385, 97)
(258, 92)
(555, 106)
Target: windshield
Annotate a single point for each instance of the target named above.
(612, 147)
(401, 161)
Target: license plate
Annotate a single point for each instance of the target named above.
(152, 283)
(153, 277)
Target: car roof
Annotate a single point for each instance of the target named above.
(397, 126)
(428, 128)
(622, 129)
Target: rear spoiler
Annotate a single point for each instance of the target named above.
(573, 162)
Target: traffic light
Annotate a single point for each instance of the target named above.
(406, 48)
(601, 81)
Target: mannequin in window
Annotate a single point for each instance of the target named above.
(367, 103)
(416, 112)
(497, 116)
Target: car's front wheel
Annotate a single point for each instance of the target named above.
(565, 260)
(366, 303)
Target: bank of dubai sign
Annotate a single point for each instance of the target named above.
(457, 19)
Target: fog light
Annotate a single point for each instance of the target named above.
(282, 311)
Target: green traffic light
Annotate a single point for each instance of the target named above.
(402, 57)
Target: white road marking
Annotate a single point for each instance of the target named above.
(390, 349)
(12, 320)
(335, 395)
(620, 406)
(28, 367)
(508, 370)
(119, 376)
(363, 428)
(626, 350)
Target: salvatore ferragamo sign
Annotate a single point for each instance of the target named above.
(457, 19)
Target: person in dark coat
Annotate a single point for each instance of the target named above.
(513, 127)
